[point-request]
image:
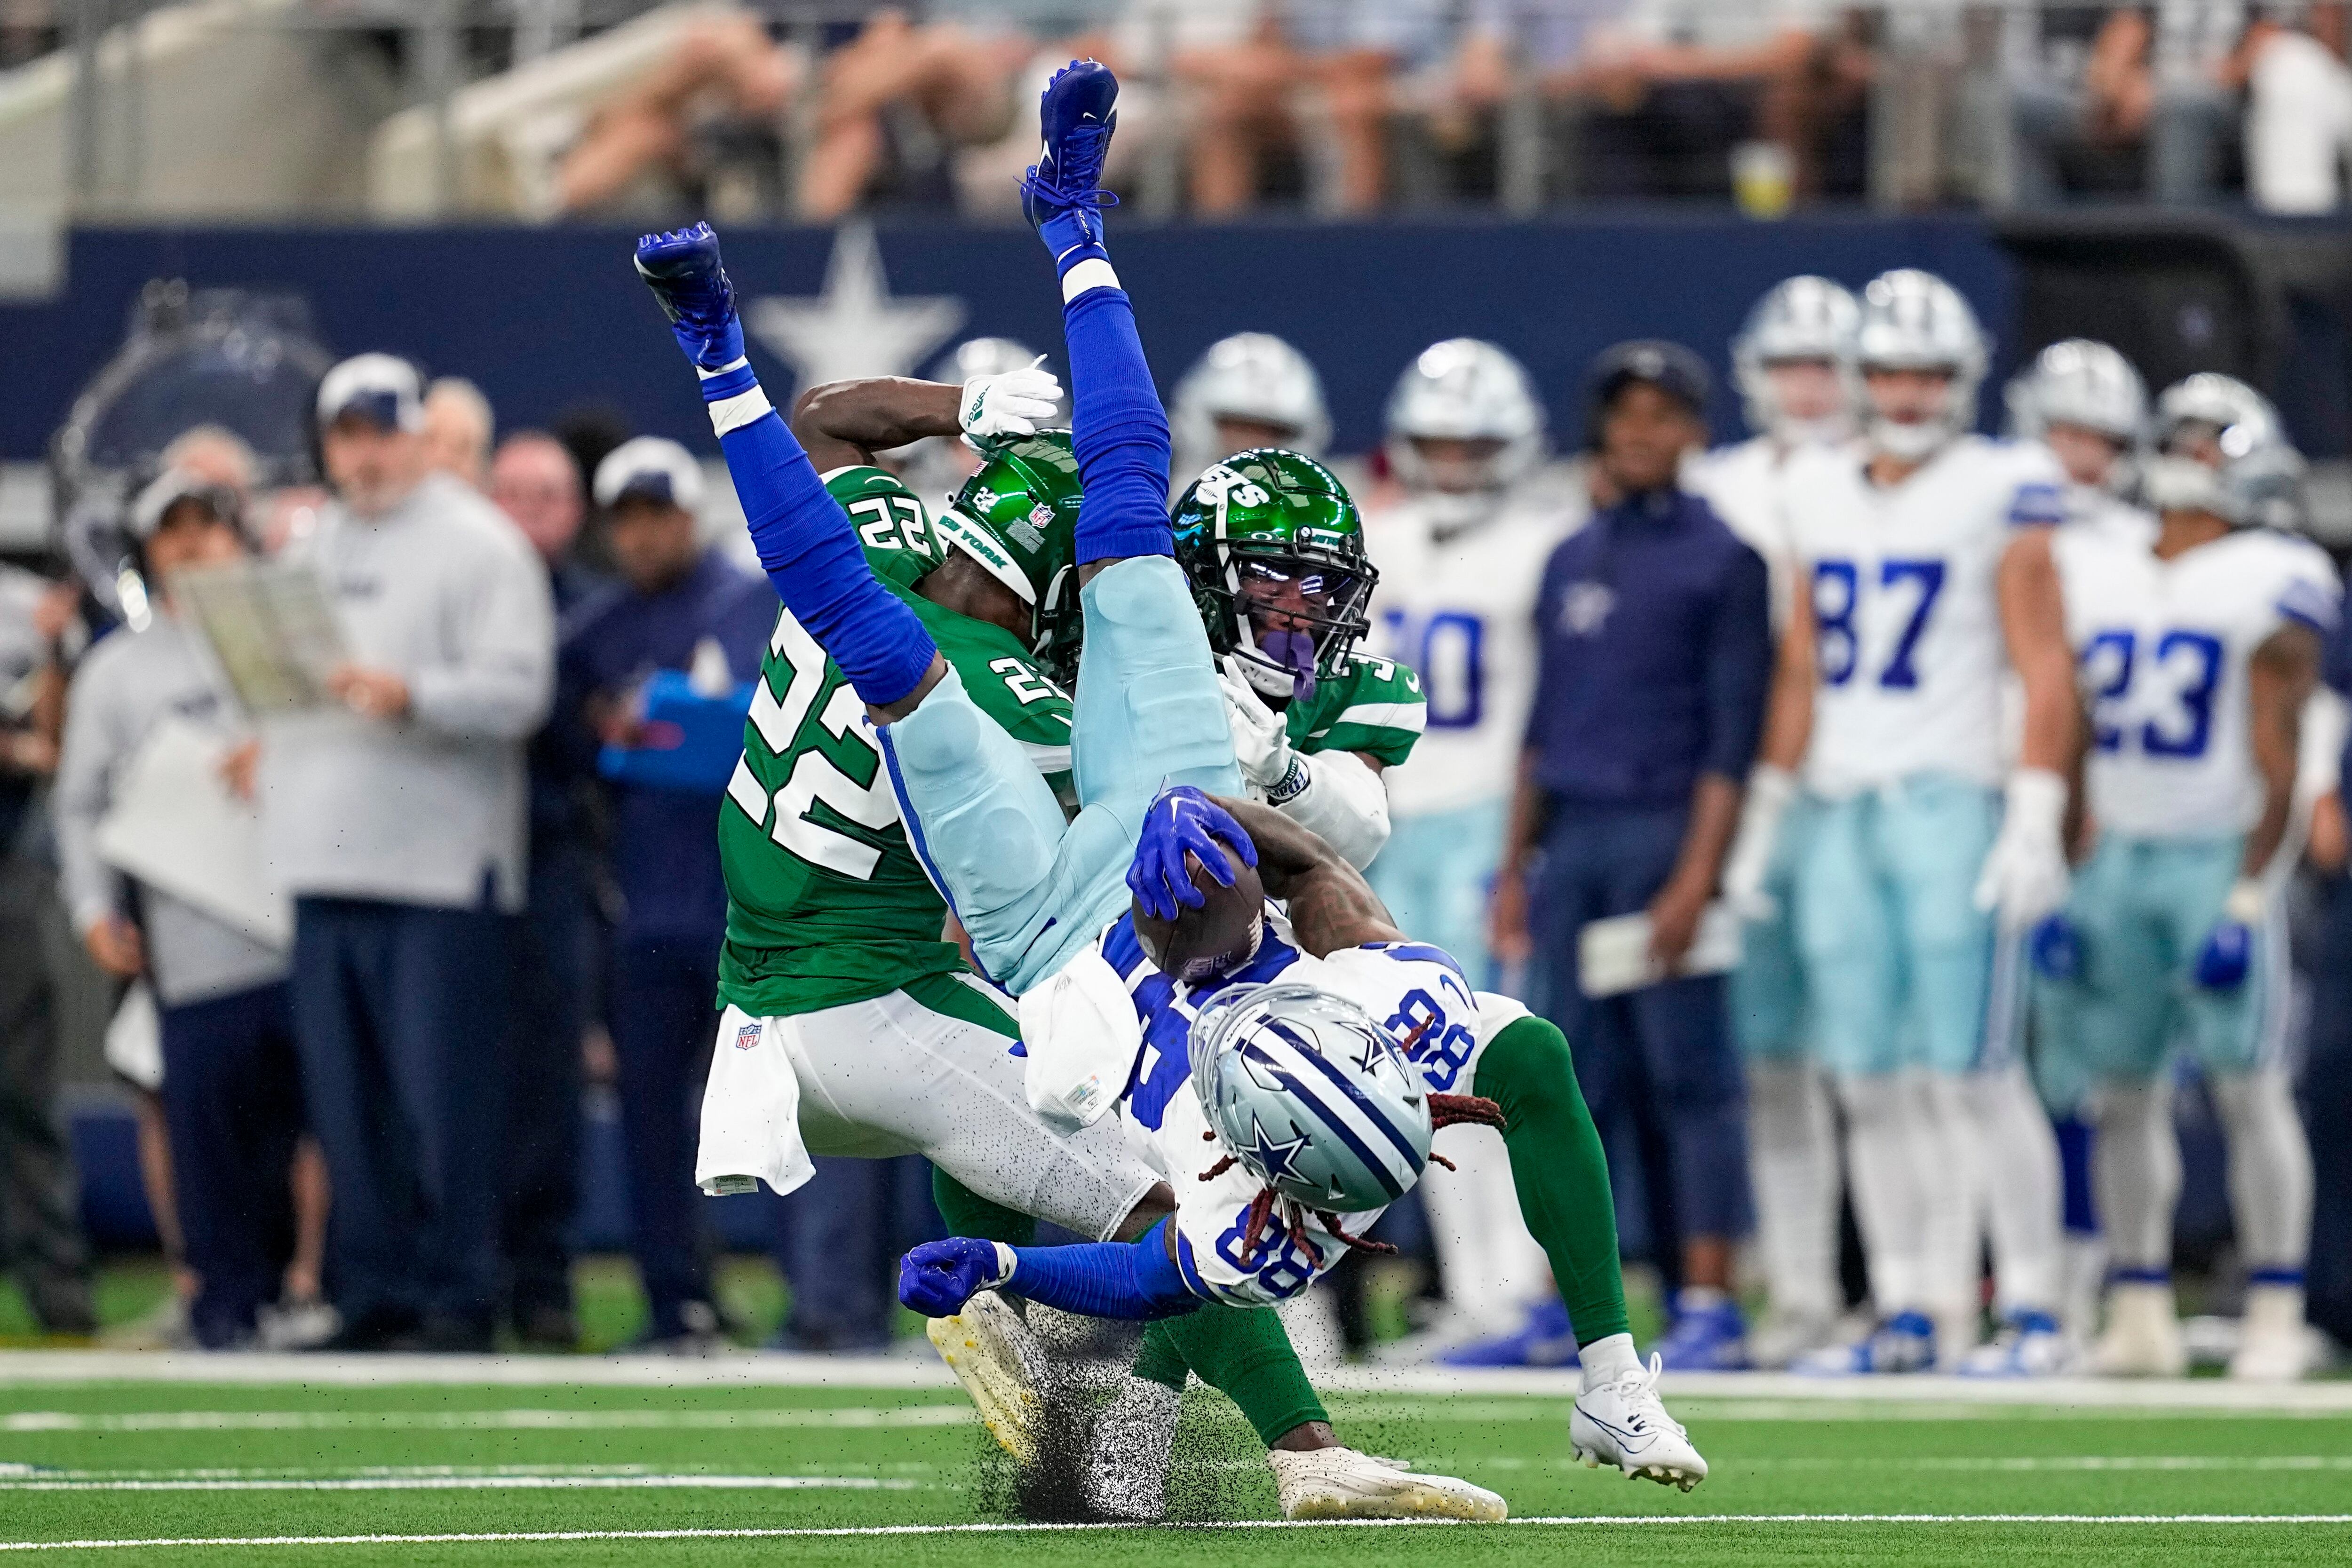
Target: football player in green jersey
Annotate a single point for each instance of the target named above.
(1273, 548)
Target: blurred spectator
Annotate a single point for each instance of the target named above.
(679, 606)
(39, 1235)
(458, 426)
(725, 76)
(1367, 60)
(2298, 111)
(2094, 84)
(27, 28)
(550, 984)
(397, 824)
(232, 1090)
(1653, 622)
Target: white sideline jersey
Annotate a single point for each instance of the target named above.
(1742, 482)
(1416, 989)
(2090, 509)
(1461, 609)
(2161, 650)
(1908, 631)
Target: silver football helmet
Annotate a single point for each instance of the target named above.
(2221, 448)
(1801, 318)
(1465, 390)
(1914, 321)
(2078, 382)
(1252, 376)
(1311, 1095)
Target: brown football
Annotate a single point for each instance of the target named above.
(1219, 935)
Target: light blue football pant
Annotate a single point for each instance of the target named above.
(1436, 874)
(1767, 997)
(1030, 887)
(2143, 907)
(1902, 968)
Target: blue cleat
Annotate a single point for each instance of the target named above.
(1546, 1339)
(683, 269)
(1709, 1334)
(2030, 1345)
(1061, 195)
(1904, 1343)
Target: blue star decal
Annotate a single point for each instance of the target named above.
(1269, 1157)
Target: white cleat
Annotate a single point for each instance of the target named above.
(2143, 1333)
(2275, 1344)
(1625, 1424)
(2030, 1345)
(990, 1350)
(1129, 1450)
(1340, 1483)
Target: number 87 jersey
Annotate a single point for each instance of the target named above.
(1908, 650)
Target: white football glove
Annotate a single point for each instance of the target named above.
(1012, 403)
(2024, 876)
(1749, 861)
(1261, 736)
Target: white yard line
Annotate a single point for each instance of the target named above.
(479, 1483)
(2020, 1464)
(508, 1537)
(528, 1420)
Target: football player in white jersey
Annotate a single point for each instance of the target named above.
(1461, 546)
(1249, 390)
(2086, 402)
(1926, 555)
(2198, 652)
(1789, 362)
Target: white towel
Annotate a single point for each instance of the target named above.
(751, 1111)
(1081, 1034)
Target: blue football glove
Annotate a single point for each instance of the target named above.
(2227, 953)
(2056, 946)
(683, 269)
(1185, 821)
(939, 1277)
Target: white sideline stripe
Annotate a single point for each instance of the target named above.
(885, 1372)
(2055, 1462)
(482, 1483)
(466, 1420)
(454, 1537)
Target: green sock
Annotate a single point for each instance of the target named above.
(969, 1214)
(1561, 1172)
(1243, 1352)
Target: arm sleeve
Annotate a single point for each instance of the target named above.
(500, 685)
(1106, 1279)
(92, 889)
(1739, 668)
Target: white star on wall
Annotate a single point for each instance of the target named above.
(853, 328)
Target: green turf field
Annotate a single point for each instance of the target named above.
(719, 1475)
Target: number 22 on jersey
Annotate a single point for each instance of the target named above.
(815, 776)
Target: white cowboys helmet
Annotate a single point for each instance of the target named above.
(1465, 390)
(2221, 448)
(2081, 382)
(1312, 1096)
(1914, 321)
(1252, 376)
(1801, 318)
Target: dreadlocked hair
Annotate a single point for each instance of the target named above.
(1465, 1110)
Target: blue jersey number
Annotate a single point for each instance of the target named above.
(1287, 1263)
(1438, 1048)
(1449, 648)
(2188, 662)
(1837, 596)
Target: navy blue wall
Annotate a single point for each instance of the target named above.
(548, 319)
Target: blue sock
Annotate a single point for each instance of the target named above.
(808, 548)
(1117, 425)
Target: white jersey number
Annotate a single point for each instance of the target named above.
(815, 776)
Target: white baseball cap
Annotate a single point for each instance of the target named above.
(651, 466)
(169, 489)
(381, 388)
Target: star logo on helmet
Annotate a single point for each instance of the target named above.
(1269, 1158)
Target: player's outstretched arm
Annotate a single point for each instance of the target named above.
(803, 537)
(842, 423)
(1139, 1278)
(2024, 876)
(1331, 904)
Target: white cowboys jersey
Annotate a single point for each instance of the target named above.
(1907, 633)
(2161, 650)
(1742, 483)
(1415, 989)
(2090, 509)
(1460, 607)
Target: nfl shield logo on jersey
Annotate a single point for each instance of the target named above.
(748, 1036)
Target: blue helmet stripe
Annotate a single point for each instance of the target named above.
(1323, 1116)
(1364, 1102)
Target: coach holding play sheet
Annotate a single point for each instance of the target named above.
(396, 820)
(1653, 627)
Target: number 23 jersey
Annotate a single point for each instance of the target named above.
(1907, 635)
(1415, 989)
(2161, 650)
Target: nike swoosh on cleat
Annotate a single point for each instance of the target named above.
(1628, 1441)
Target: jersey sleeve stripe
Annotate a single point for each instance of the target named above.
(2038, 506)
(1410, 716)
(2310, 604)
(1418, 953)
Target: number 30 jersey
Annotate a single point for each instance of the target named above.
(2162, 648)
(1416, 989)
(1907, 634)
(826, 903)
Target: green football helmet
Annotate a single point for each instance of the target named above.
(1273, 548)
(1017, 517)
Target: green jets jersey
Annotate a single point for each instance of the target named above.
(826, 903)
(1374, 706)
